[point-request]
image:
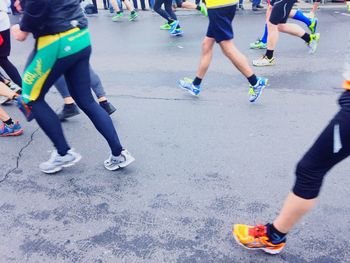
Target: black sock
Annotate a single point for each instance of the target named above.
(9, 122)
(197, 81)
(119, 12)
(275, 236)
(170, 20)
(198, 7)
(69, 106)
(253, 80)
(269, 54)
(306, 37)
(133, 12)
(103, 102)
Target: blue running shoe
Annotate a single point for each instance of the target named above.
(255, 91)
(177, 32)
(187, 84)
(173, 26)
(24, 108)
(10, 130)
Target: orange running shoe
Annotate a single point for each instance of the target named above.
(255, 238)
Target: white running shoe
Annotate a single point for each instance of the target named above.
(116, 162)
(57, 162)
(264, 61)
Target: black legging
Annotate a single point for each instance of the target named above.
(8, 67)
(11, 70)
(168, 13)
(331, 147)
(75, 68)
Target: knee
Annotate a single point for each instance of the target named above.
(309, 178)
(206, 46)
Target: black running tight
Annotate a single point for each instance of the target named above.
(331, 147)
(11, 70)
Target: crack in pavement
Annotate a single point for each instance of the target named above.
(19, 156)
(154, 98)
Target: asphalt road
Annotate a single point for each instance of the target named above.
(202, 164)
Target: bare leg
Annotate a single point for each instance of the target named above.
(236, 57)
(115, 6)
(293, 210)
(102, 99)
(272, 38)
(207, 54)
(3, 115)
(189, 5)
(128, 5)
(6, 92)
(292, 29)
(68, 100)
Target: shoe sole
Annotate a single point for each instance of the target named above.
(120, 166)
(313, 51)
(17, 133)
(264, 65)
(266, 250)
(69, 116)
(189, 91)
(133, 19)
(58, 169)
(261, 91)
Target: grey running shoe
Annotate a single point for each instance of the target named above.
(57, 162)
(68, 111)
(116, 162)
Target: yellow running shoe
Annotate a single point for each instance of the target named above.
(255, 238)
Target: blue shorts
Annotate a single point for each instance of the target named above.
(220, 23)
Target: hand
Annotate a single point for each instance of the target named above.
(18, 6)
(18, 34)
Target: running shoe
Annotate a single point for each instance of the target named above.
(314, 39)
(313, 25)
(117, 17)
(24, 108)
(187, 84)
(258, 45)
(68, 111)
(203, 10)
(108, 107)
(133, 15)
(255, 91)
(264, 61)
(166, 26)
(173, 26)
(177, 32)
(116, 162)
(57, 162)
(10, 130)
(256, 238)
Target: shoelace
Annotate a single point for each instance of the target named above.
(258, 231)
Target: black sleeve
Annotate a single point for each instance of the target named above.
(34, 14)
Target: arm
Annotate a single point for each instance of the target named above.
(34, 14)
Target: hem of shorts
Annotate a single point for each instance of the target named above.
(220, 6)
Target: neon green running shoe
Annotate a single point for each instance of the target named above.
(117, 17)
(166, 26)
(314, 39)
(313, 25)
(203, 10)
(258, 45)
(133, 16)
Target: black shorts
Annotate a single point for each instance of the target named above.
(280, 11)
(220, 23)
(5, 47)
